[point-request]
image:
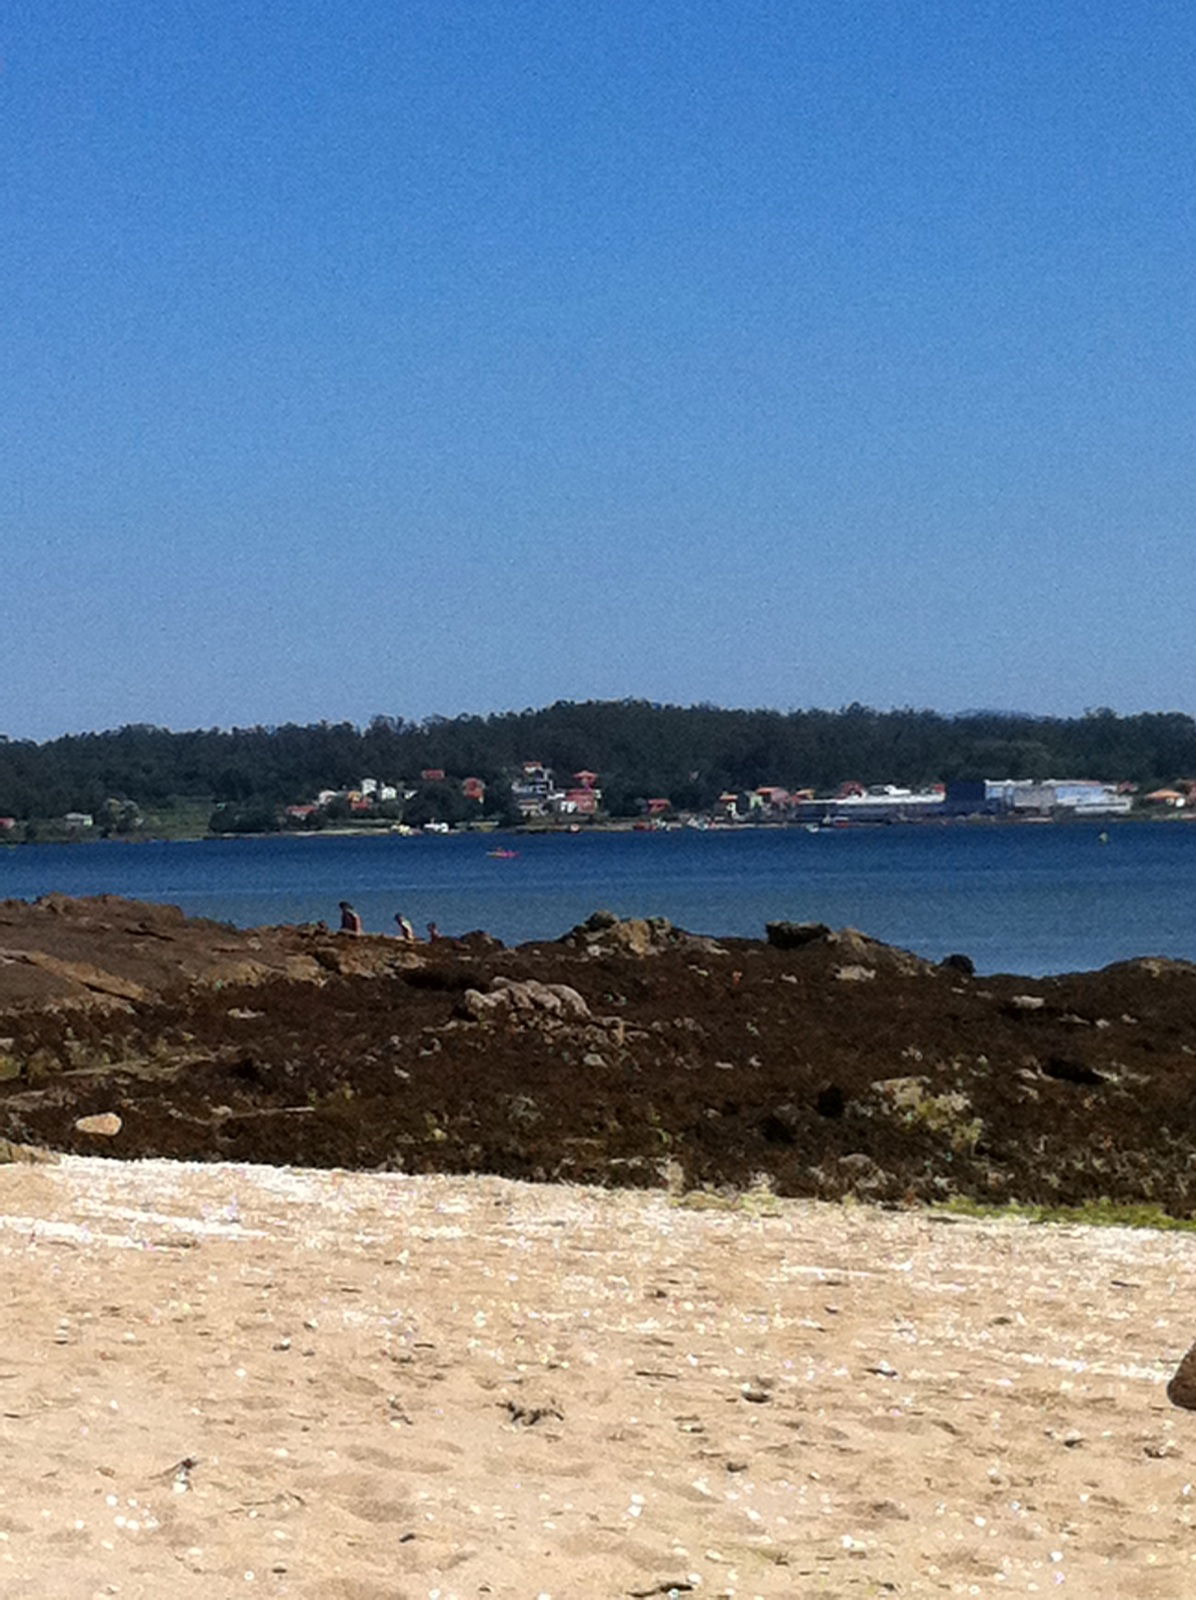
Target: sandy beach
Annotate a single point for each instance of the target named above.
(235, 1380)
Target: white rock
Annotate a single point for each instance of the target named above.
(106, 1124)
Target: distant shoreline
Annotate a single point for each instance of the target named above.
(619, 825)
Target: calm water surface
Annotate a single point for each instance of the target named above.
(1017, 899)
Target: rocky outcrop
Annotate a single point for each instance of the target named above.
(524, 998)
(827, 1063)
(796, 935)
(108, 953)
(77, 975)
(603, 933)
(855, 954)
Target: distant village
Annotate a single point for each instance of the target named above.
(539, 797)
(536, 797)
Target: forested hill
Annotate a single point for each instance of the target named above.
(637, 748)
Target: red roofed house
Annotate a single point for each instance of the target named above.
(584, 798)
(771, 799)
(583, 801)
(432, 775)
(473, 789)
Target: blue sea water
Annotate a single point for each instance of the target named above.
(1016, 899)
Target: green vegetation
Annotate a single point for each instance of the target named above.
(690, 754)
(760, 1201)
(1094, 1214)
(178, 819)
(755, 1202)
(250, 816)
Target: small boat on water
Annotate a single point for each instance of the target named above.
(502, 854)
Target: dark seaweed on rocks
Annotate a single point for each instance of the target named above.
(627, 1053)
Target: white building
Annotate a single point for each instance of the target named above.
(885, 802)
(533, 790)
(1080, 797)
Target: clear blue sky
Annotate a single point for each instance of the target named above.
(420, 356)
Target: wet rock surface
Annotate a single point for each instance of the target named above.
(627, 1053)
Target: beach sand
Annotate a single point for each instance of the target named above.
(225, 1381)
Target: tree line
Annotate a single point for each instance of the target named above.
(639, 749)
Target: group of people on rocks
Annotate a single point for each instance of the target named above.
(351, 923)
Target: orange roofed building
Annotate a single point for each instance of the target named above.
(584, 798)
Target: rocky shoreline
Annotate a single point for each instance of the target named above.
(814, 1062)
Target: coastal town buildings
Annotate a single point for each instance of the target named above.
(881, 802)
(770, 803)
(533, 789)
(1077, 796)
(584, 799)
(538, 795)
(1172, 799)
(376, 790)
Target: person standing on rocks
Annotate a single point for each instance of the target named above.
(406, 931)
(350, 921)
